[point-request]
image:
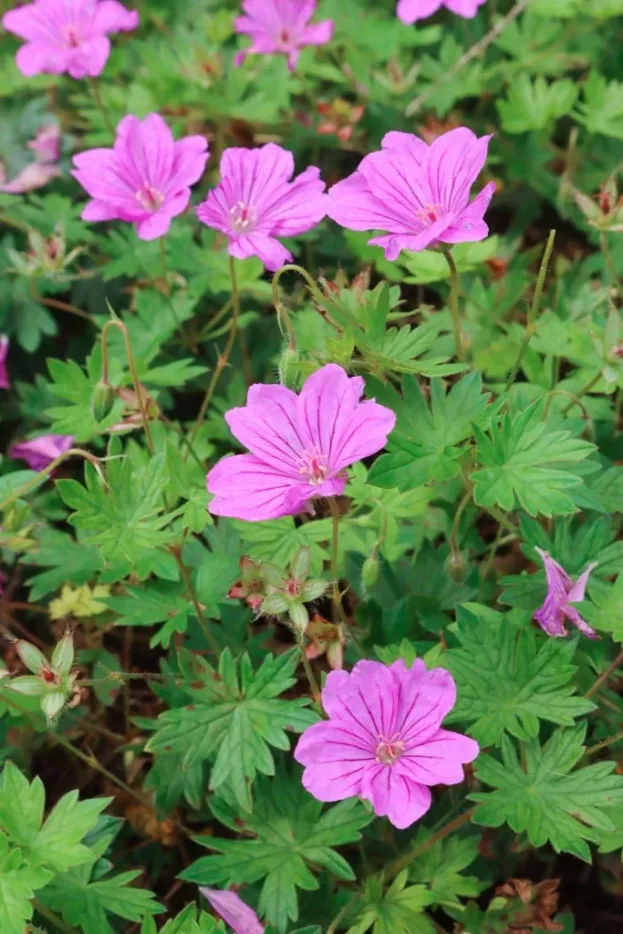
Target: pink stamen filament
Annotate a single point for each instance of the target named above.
(389, 749)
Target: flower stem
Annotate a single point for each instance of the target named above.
(454, 534)
(601, 680)
(165, 282)
(610, 267)
(338, 609)
(313, 684)
(587, 388)
(402, 862)
(192, 593)
(42, 474)
(224, 357)
(283, 314)
(138, 389)
(454, 304)
(604, 743)
(50, 916)
(534, 308)
(97, 97)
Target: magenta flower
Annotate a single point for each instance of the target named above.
(383, 740)
(299, 445)
(561, 593)
(67, 35)
(281, 27)
(144, 179)
(5, 382)
(256, 202)
(411, 10)
(419, 194)
(235, 913)
(41, 451)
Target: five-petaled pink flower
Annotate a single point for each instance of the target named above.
(145, 178)
(383, 740)
(419, 194)
(5, 382)
(561, 593)
(300, 445)
(240, 918)
(255, 202)
(281, 27)
(40, 452)
(411, 10)
(67, 35)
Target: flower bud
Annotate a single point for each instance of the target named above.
(33, 659)
(370, 571)
(456, 566)
(102, 400)
(289, 368)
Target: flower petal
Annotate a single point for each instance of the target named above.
(438, 760)
(318, 33)
(111, 16)
(455, 161)
(395, 796)
(409, 11)
(247, 488)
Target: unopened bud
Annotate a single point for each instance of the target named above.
(456, 566)
(370, 572)
(289, 368)
(102, 400)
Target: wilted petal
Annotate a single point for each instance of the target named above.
(40, 452)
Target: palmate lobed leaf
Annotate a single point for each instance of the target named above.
(399, 910)
(291, 833)
(509, 679)
(547, 800)
(234, 718)
(19, 882)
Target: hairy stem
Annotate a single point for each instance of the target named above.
(42, 474)
(583, 391)
(402, 862)
(313, 684)
(192, 593)
(138, 389)
(601, 680)
(283, 314)
(454, 304)
(53, 918)
(534, 308)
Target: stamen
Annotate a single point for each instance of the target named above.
(150, 198)
(242, 217)
(389, 750)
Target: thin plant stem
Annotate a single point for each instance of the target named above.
(192, 593)
(336, 595)
(610, 267)
(53, 918)
(342, 914)
(601, 680)
(97, 97)
(454, 533)
(604, 743)
(313, 684)
(97, 766)
(42, 474)
(283, 315)
(575, 400)
(534, 308)
(583, 391)
(465, 59)
(224, 357)
(64, 306)
(454, 304)
(165, 282)
(402, 862)
(138, 389)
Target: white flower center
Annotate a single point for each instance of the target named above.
(150, 198)
(389, 749)
(242, 218)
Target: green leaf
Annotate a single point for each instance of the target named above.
(534, 105)
(606, 610)
(234, 718)
(548, 800)
(75, 387)
(601, 107)
(68, 560)
(507, 681)
(155, 602)
(524, 463)
(425, 444)
(53, 844)
(427, 266)
(278, 540)
(289, 831)
(399, 910)
(442, 865)
(18, 885)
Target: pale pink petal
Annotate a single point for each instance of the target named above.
(240, 918)
(426, 698)
(268, 429)
(5, 382)
(351, 204)
(577, 591)
(325, 408)
(572, 614)
(38, 56)
(40, 452)
(299, 207)
(147, 147)
(111, 16)
(247, 488)
(25, 22)
(333, 742)
(396, 139)
(395, 244)
(365, 435)
(465, 8)
(35, 175)
(409, 11)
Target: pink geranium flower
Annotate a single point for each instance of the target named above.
(281, 27)
(67, 35)
(256, 202)
(411, 10)
(419, 194)
(231, 908)
(47, 143)
(300, 445)
(145, 178)
(561, 593)
(41, 451)
(5, 382)
(383, 740)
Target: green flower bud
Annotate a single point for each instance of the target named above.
(370, 571)
(33, 659)
(102, 400)
(289, 368)
(456, 566)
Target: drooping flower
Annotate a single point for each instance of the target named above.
(232, 909)
(300, 445)
(383, 740)
(41, 451)
(419, 194)
(325, 638)
(145, 178)
(67, 36)
(33, 176)
(255, 202)
(409, 11)
(281, 27)
(561, 593)
(5, 382)
(47, 143)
